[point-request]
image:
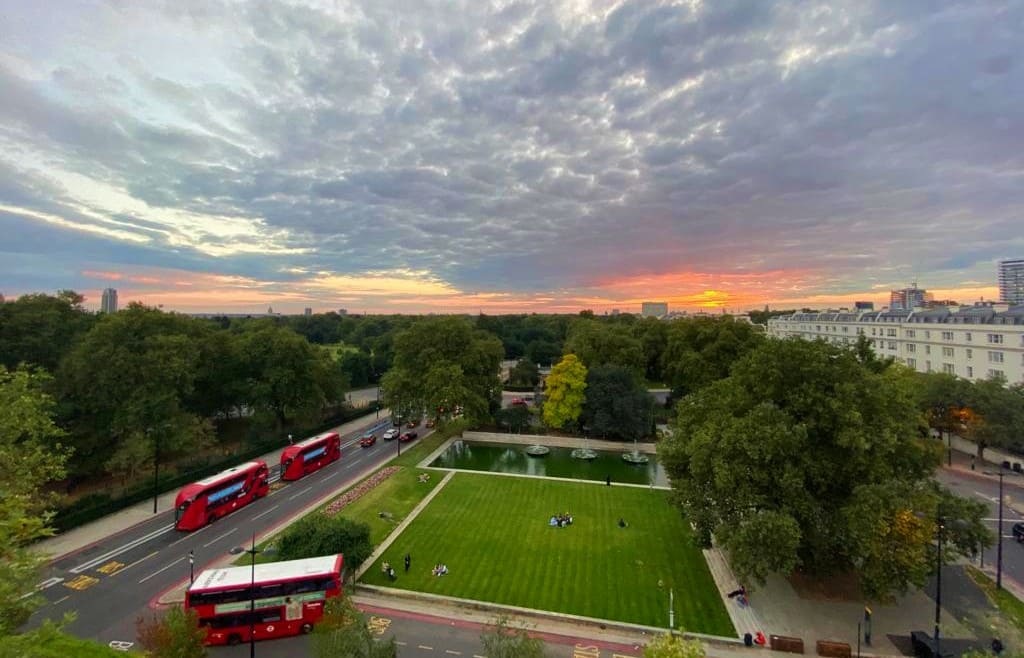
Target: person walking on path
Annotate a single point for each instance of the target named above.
(408, 561)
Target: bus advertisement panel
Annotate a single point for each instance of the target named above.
(207, 500)
(310, 455)
(289, 598)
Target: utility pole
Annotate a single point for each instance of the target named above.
(671, 610)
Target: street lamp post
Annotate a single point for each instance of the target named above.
(252, 551)
(938, 589)
(191, 567)
(999, 537)
(398, 415)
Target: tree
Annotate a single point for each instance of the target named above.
(40, 329)
(564, 392)
(804, 458)
(653, 336)
(617, 406)
(599, 343)
(502, 641)
(443, 363)
(289, 379)
(319, 534)
(515, 417)
(50, 641)
(543, 351)
(176, 634)
(343, 631)
(524, 373)
(358, 367)
(700, 351)
(671, 645)
(30, 457)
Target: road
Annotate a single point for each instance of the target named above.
(108, 585)
(987, 491)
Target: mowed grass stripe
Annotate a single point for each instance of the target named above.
(493, 534)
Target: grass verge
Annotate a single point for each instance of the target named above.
(492, 532)
(1010, 606)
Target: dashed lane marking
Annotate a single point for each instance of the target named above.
(81, 583)
(110, 568)
(452, 652)
(267, 512)
(160, 571)
(424, 647)
(214, 541)
(143, 559)
(62, 599)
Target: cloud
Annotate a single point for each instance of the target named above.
(531, 153)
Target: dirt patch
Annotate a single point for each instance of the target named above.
(840, 587)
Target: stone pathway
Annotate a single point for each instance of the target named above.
(384, 545)
(743, 617)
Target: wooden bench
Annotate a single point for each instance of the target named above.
(831, 649)
(788, 644)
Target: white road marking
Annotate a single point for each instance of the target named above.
(193, 534)
(423, 646)
(267, 512)
(453, 652)
(139, 560)
(49, 582)
(300, 493)
(160, 571)
(62, 599)
(121, 549)
(991, 499)
(214, 541)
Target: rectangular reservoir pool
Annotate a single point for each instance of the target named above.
(512, 458)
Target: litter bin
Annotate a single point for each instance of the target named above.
(748, 640)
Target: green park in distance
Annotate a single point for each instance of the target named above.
(492, 532)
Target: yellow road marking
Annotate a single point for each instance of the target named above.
(585, 651)
(378, 625)
(83, 582)
(110, 568)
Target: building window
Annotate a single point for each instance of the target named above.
(891, 333)
(927, 334)
(948, 368)
(947, 335)
(912, 363)
(910, 333)
(927, 349)
(993, 373)
(947, 351)
(970, 353)
(995, 339)
(892, 344)
(911, 347)
(970, 371)
(927, 366)
(995, 357)
(968, 336)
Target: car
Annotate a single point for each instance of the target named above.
(1018, 532)
(391, 434)
(431, 423)
(518, 402)
(412, 423)
(408, 436)
(367, 440)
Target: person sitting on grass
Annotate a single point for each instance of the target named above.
(622, 523)
(553, 522)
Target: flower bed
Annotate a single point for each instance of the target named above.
(359, 490)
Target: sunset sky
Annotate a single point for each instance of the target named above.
(502, 156)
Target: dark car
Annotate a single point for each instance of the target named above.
(408, 436)
(1018, 532)
(367, 440)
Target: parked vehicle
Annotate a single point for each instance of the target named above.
(367, 440)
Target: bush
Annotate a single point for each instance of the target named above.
(318, 534)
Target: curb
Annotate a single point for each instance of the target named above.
(544, 615)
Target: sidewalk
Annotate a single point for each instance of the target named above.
(81, 537)
(962, 466)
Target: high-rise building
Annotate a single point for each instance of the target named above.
(1011, 281)
(864, 306)
(342, 311)
(309, 311)
(907, 299)
(108, 304)
(653, 309)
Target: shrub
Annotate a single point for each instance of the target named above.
(319, 534)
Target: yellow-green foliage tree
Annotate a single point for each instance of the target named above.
(565, 392)
(674, 646)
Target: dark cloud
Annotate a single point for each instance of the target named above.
(535, 146)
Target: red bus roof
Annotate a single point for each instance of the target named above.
(195, 488)
(217, 579)
(292, 450)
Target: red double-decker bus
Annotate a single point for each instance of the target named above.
(289, 598)
(207, 500)
(310, 455)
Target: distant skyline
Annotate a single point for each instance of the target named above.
(502, 157)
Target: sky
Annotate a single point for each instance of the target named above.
(501, 156)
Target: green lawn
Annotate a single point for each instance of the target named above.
(397, 495)
(493, 534)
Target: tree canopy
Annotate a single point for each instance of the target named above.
(597, 343)
(500, 640)
(804, 458)
(700, 351)
(564, 392)
(343, 631)
(617, 404)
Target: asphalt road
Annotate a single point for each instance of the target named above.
(987, 491)
(109, 585)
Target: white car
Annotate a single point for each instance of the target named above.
(391, 434)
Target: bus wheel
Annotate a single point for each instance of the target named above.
(306, 628)
(210, 519)
(234, 639)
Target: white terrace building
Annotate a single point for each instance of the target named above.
(973, 342)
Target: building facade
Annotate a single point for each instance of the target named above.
(653, 309)
(973, 342)
(909, 298)
(1011, 281)
(108, 303)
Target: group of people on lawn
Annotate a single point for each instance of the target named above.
(560, 520)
